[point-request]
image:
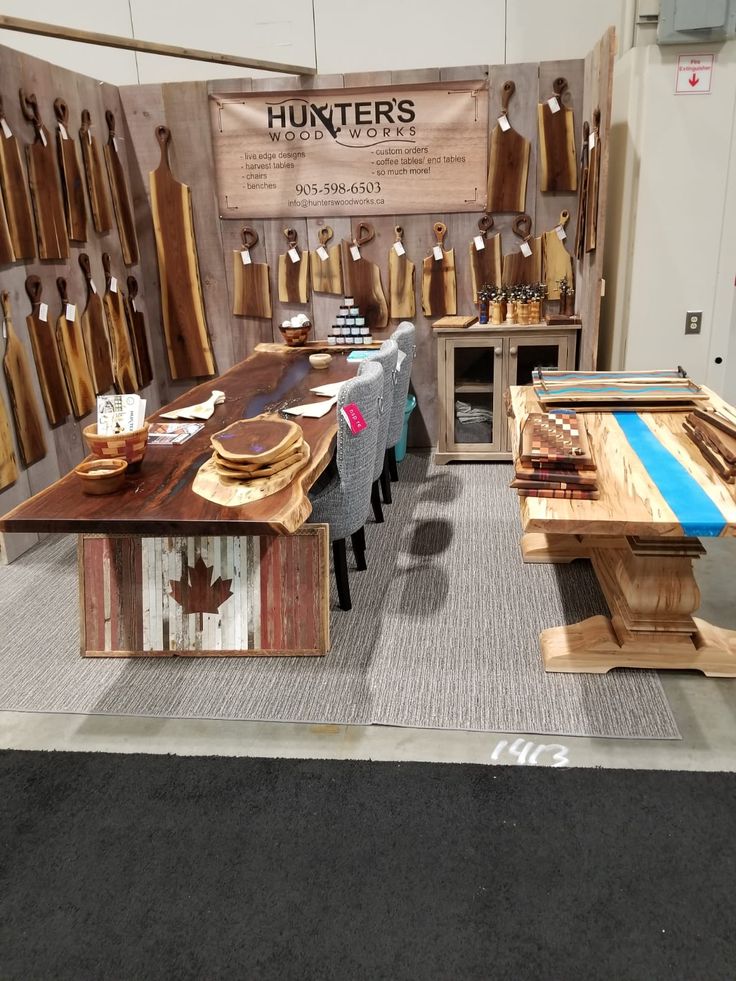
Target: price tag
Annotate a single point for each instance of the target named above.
(504, 123)
(62, 132)
(115, 144)
(71, 312)
(294, 255)
(399, 248)
(525, 249)
(479, 242)
(591, 141)
(355, 252)
(113, 285)
(245, 256)
(438, 253)
(92, 286)
(89, 136)
(133, 306)
(323, 253)
(7, 131)
(354, 418)
(561, 233)
(553, 104)
(46, 142)
(43, 313)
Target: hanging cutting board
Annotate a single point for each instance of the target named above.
(26, 411)
(401, 280)
(123, 360)
(188, 344)
(73, 355)
(582, 196)
(7, 255)
(519, 268)
(557, 260)
(8, 464)
(94, 331)
(120, 195)
(556, 124)
(137, 330)
(43, 179)
(508, 161)
(75, 209)
(362, 278)
(594, 173)
(439, 286)
(99, 201)
(293, 271)
(46, 355)
(15, 193)
(251, 282)
(485, 262)
(325, 265)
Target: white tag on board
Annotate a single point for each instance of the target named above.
(504, 123)
(294, 255)
(399, 248)
(553, 104)
(89, 136)
(115, 144)
(43, 313)
(133, 306)
(92, 286)
(438, 253)
(70, 313)
(62, 132)
(591, 141)
(525, 249)
(45, 141)
(479, 242)
(323, 253)
(245, 256)
(7, 131)
(113, 285)
(561, 233)
(355, 252)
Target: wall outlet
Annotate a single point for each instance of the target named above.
(693, 321)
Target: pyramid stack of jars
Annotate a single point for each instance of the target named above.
(350, 326)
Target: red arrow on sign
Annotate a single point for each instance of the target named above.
(693, 80)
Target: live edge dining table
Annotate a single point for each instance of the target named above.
(164, 572)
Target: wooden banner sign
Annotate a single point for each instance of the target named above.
(398, 149)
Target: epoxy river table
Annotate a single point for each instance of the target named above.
(164, 571)
(658, 498)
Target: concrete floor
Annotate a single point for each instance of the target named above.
(705, 710)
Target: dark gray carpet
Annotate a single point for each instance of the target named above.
(149, 867)
(443, 633)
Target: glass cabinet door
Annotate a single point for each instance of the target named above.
(527, 353)
(474, 382)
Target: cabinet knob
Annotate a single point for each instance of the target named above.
(498, 352)
(514, 350)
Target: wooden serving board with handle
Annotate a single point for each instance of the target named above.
(594, 174)
(557, 260)
(188, 344)
(75, 209)
(486, 263)
(137, 330)
(26, 412)
(120, 195)
(43, 179)
(557, 158)
(99, 201)
(508, 161)
(8, 463)
(49, 371)
(94, 330)
(73, 355)
(518, 268)
(293, 271)
(7, 254)
(326, 272)
(123, 360)
(401, 280)
(362, 279)
(439, 283)
(251, 281)
(582, 196)
(15, 194)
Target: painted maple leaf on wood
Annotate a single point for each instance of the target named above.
(196, 593)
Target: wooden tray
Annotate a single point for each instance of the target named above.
(260, 440)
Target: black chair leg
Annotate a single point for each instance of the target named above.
(376, 502)
(358, 540)
(385, 483)
(392, 468)
(340, 560)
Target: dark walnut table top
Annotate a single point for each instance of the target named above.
(159, 500)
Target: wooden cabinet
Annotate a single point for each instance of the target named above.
(475, 366)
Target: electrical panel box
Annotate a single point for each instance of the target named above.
(696, 21)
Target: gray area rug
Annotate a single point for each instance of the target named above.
(443, 633)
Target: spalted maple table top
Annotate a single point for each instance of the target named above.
(159, 500)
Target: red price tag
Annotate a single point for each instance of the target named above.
(354, 418)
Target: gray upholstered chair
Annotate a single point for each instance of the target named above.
(387, 356)
(404, 335)
(344, 502)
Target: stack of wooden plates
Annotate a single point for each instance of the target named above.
(258, 449)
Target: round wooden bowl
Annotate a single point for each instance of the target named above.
(100, 476)
(320, 360)
(129, 446)
(295, 336)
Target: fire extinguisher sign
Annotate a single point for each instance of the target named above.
(694, 74)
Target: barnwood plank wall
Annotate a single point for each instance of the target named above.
(184, 108)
